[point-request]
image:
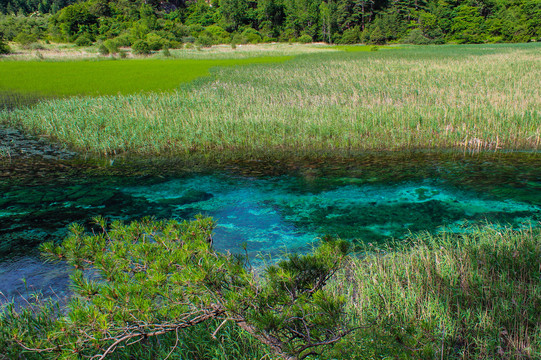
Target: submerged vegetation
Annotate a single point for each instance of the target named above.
(469, 97)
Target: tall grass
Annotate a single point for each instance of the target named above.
(473, 296)
(473, 97)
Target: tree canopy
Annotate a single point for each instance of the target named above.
(174, 22)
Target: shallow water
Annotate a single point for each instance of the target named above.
(269, 205)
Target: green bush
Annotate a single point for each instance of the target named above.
(377, 37)
(83, 40)
(188, 39)
(103, 50)
(305, 39)
(122, 40)
(217, 34)
(252, 36)
(4, 48)
(166, 53)
(141, 47)
(416, 37)
(351, 36)
(204, 41)
(112, 46)
(156, 42)
(25, 39)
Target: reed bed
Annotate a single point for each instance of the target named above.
(473, 296)
(467, 97)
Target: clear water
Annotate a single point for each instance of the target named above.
(269, 206)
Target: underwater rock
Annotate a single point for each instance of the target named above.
(190, 196)
(15, 144)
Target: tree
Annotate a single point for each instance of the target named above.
(4, 48)
(468, 25)
(157, 277)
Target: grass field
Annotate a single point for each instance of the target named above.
(475, 97)
(108, 77)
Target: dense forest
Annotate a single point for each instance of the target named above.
(155, 24)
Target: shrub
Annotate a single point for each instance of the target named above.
(204, 41)
(166, 52)
(25, 39)
(156, 42)
(351, 36)
(4, 48)
(377, 37)
(305, 39)
(141, 47)
(252, 36)
(238, 39)
(217, 34)
(416, 37)
(36, 46)
(122, 40)
(83, 40)
(111, 45)
(188, 39)
(103, 50)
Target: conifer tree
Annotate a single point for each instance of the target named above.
(158, 277)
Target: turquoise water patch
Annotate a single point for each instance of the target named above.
(270, 214)
(265, 207)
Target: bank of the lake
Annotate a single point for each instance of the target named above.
(467, 97)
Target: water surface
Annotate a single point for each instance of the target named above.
(269, 205)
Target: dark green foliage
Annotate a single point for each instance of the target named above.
(103, 50)
(157, 279)
(4, 48)
(351, 36)
(377, 37)
(416, 37)
(344, 21)
(251, 36)
(305, 39)
(83, 40)
(25, 39)
(204, 40)
(141, 47)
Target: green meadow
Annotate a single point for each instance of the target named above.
(109, 77)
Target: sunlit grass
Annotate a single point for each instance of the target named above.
(108, 77)
(468, 97)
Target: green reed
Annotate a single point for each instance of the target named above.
(473, 296)
(469, 97)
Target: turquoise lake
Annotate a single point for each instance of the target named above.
(271, 205)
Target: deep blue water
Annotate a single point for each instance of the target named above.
(270, 205)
